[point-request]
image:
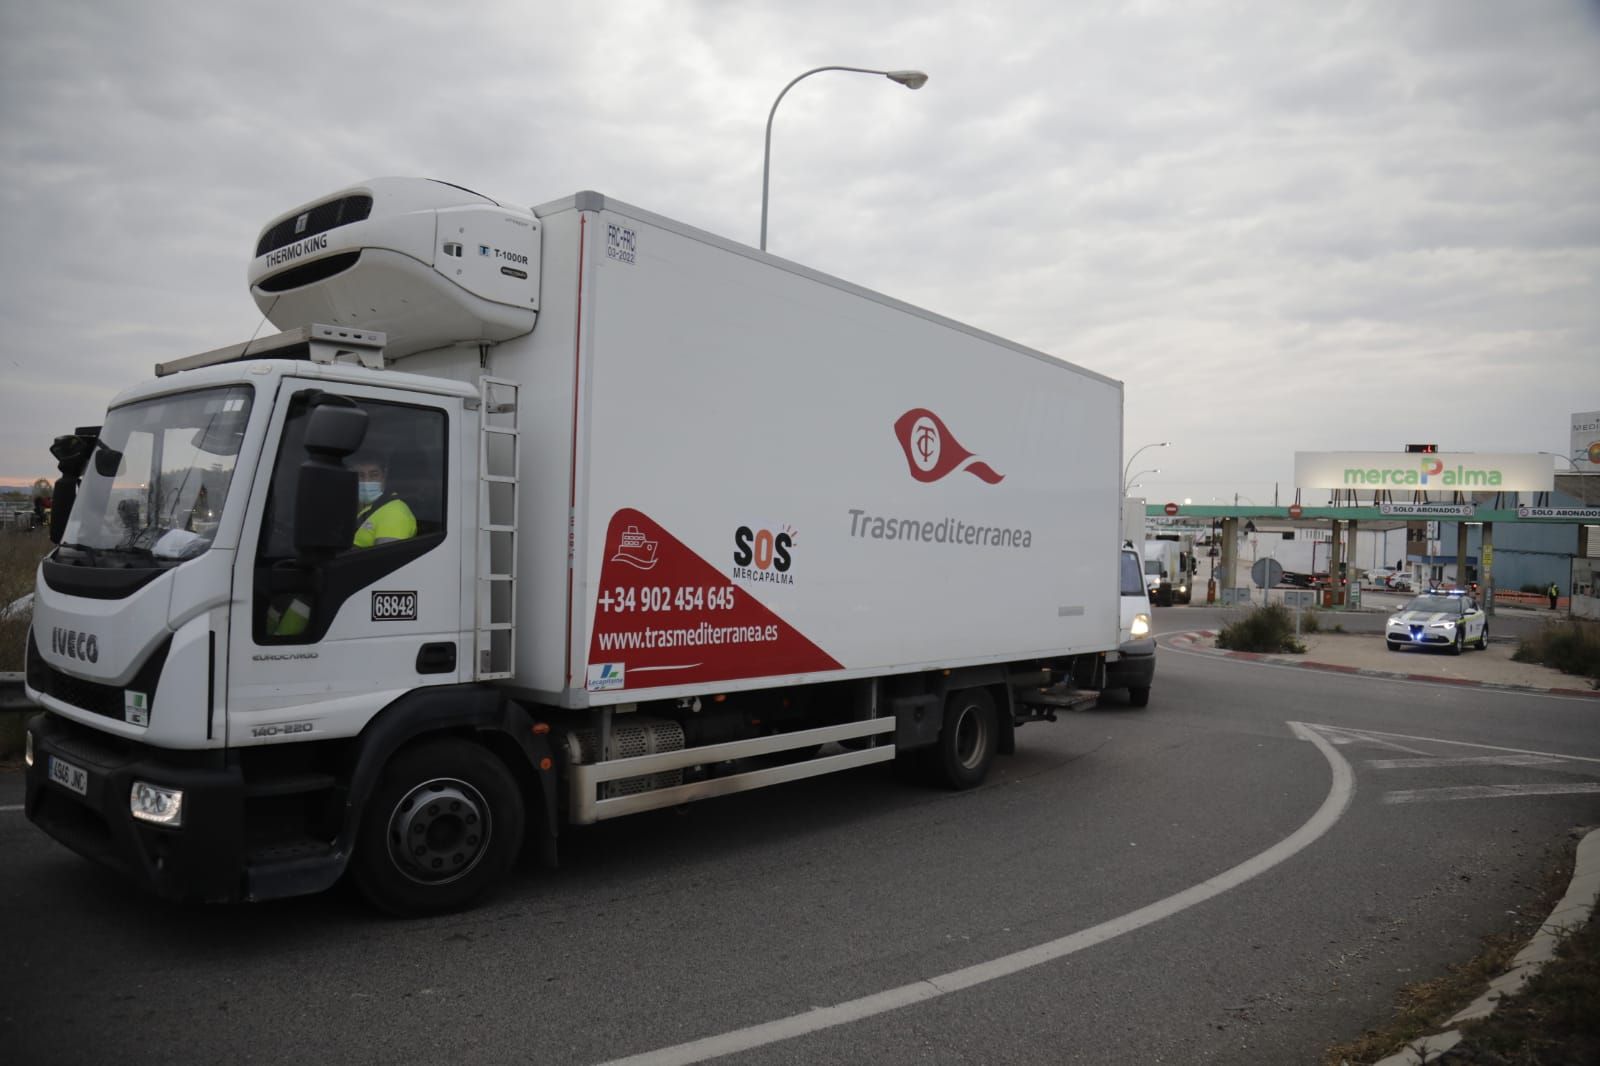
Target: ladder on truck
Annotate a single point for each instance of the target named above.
(498, 457)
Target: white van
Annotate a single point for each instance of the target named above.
(1133, 665)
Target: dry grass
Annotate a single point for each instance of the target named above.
(19, 560)
(1422, 1009)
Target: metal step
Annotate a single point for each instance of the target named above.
(1060, 698)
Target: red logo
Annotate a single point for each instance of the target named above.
(1171, 508)
(932, 451)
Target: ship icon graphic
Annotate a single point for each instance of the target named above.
(635, 549)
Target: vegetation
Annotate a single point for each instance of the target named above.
(1573, 647)
(19, 560)
(1553, 1021)
(1265, 629)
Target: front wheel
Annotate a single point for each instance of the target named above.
(441, 830)
(1461, 642)
(967, 741)
(1139, 697)
(1483, 638)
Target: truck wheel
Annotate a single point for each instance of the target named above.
(1139, 697)
(441, 830)
(967, 740)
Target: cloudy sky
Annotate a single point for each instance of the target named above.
(1285, 226)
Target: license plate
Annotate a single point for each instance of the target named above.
(69, 776)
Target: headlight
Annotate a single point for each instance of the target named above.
(1442, 625)
(1141, 625)
(152, 803)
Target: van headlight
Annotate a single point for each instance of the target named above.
(1141, 625)
(152, 803)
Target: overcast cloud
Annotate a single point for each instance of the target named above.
(1286, 226)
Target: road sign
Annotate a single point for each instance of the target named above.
(1266, 573)
(1171, 508)
(1299, 598)
(1295, 511)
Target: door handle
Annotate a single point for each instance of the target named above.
(437, 658)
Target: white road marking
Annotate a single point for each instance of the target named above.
(1478, 792)
(1340, 792)
(1483, 747)
(11, 807)
(1351, 736)
(1462, 760)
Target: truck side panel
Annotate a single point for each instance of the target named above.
(783, 478)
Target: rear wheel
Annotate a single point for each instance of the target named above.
(441, 830)
(967, 741)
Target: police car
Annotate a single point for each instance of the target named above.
(1450, 620)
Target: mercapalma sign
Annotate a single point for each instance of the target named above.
(1416, 472)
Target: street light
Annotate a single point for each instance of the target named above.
(1135, 455)
(1565, 458)
(1141, 473)
(911, 79)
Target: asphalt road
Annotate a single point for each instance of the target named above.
(1186, 883)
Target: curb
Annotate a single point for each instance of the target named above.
(1574, 909)
(1191, 641)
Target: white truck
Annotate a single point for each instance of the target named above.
(1170, 567)
(679, 519)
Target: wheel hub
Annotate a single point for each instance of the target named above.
(439, 831)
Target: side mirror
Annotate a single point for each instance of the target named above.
(107, 461)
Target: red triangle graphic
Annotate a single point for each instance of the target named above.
(664, 616)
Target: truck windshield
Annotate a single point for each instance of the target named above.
(159, 478)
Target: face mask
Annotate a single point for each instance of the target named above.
(369, 491)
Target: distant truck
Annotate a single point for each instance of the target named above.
(668, 519)
(1169, 568)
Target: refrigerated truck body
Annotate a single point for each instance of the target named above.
(689, 519)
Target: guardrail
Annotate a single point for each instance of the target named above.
(13, 697)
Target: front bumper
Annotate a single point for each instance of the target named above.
(1133, 665)
(1420, 637)
(202, 860)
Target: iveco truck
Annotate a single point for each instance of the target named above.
(673, 519)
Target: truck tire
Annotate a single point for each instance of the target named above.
(1139, 697)
(441, 830)
(967, 740)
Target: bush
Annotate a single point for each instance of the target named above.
(1264, 629)
(19, 560)
(1572, 647)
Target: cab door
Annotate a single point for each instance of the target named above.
(366, 624)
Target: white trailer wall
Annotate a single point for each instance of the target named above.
(723, 390)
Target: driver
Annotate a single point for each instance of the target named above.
(383, 517)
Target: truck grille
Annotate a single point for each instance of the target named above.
(107, 700)
(319, 219)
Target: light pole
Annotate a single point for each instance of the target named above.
(1564, 458)
(1129, 488)
(911, 79)
(1135, 455)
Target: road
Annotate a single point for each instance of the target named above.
(1199, 881)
